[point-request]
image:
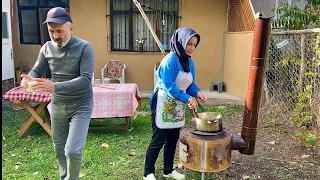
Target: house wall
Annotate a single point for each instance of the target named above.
(208, 18)
(237, 62)
(7, 61)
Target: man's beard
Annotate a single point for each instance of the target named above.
(60, 43)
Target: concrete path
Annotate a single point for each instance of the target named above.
(214, 98)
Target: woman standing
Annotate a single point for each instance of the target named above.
(175, 87)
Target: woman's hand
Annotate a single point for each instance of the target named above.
(201, 97)
(192, 103)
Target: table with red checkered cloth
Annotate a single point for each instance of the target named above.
(115, 100)
(121, 100)
(19, 93)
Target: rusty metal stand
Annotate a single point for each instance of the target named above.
(224, 172)
(203, 176)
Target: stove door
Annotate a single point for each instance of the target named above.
(183, 152)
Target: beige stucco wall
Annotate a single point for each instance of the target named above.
(208, 18)
(237, 62)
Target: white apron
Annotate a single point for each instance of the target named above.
(170, 112)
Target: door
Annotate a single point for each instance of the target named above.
(7, 54)
(43, 27)
(44, 34)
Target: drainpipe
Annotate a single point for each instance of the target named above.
(262, 30)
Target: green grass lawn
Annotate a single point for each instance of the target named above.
(122, 157)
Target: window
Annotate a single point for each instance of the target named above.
(127, 24)
(5, 33)
(29, 22)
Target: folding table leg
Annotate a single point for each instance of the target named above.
(25, 126)
(34, 116)
(47, 116)
(128, 121)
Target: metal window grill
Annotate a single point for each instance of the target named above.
(292, 83)
(240, 16)
(127, 24)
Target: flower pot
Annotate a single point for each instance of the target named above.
(141, 49)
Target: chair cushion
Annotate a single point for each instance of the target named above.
(114, 69)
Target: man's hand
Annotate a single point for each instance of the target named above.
(24, 80)
(43, 85)
(201, 97)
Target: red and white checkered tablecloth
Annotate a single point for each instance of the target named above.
(19, 93)
(122, 101)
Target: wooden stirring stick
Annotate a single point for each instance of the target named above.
(105, 87)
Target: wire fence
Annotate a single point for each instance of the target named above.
(292, 84)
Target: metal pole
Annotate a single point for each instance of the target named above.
(224, 174)
(303, 61)
(203, 175)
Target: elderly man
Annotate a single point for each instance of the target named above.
(71, 62)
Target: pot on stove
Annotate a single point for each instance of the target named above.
(208, 122)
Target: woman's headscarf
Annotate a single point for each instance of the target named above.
(178, 44)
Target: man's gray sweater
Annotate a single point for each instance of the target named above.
(71, 67)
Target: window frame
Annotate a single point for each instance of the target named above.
(130, 23)
(6, 22)
(37, 9)
(28, 8)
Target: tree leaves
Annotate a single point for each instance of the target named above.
(293, 18)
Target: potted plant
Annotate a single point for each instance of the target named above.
(141, 42)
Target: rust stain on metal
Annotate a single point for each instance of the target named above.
(194, 145)
(219, 155)
(217, 151)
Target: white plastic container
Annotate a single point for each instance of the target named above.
(30, 83)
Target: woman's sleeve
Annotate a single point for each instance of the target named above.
(168, 72)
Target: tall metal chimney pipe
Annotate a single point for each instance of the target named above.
(262, 30)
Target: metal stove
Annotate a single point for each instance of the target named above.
(204, 151)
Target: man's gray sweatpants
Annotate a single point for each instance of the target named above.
(69, 124)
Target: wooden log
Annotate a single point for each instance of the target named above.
(149, 26)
